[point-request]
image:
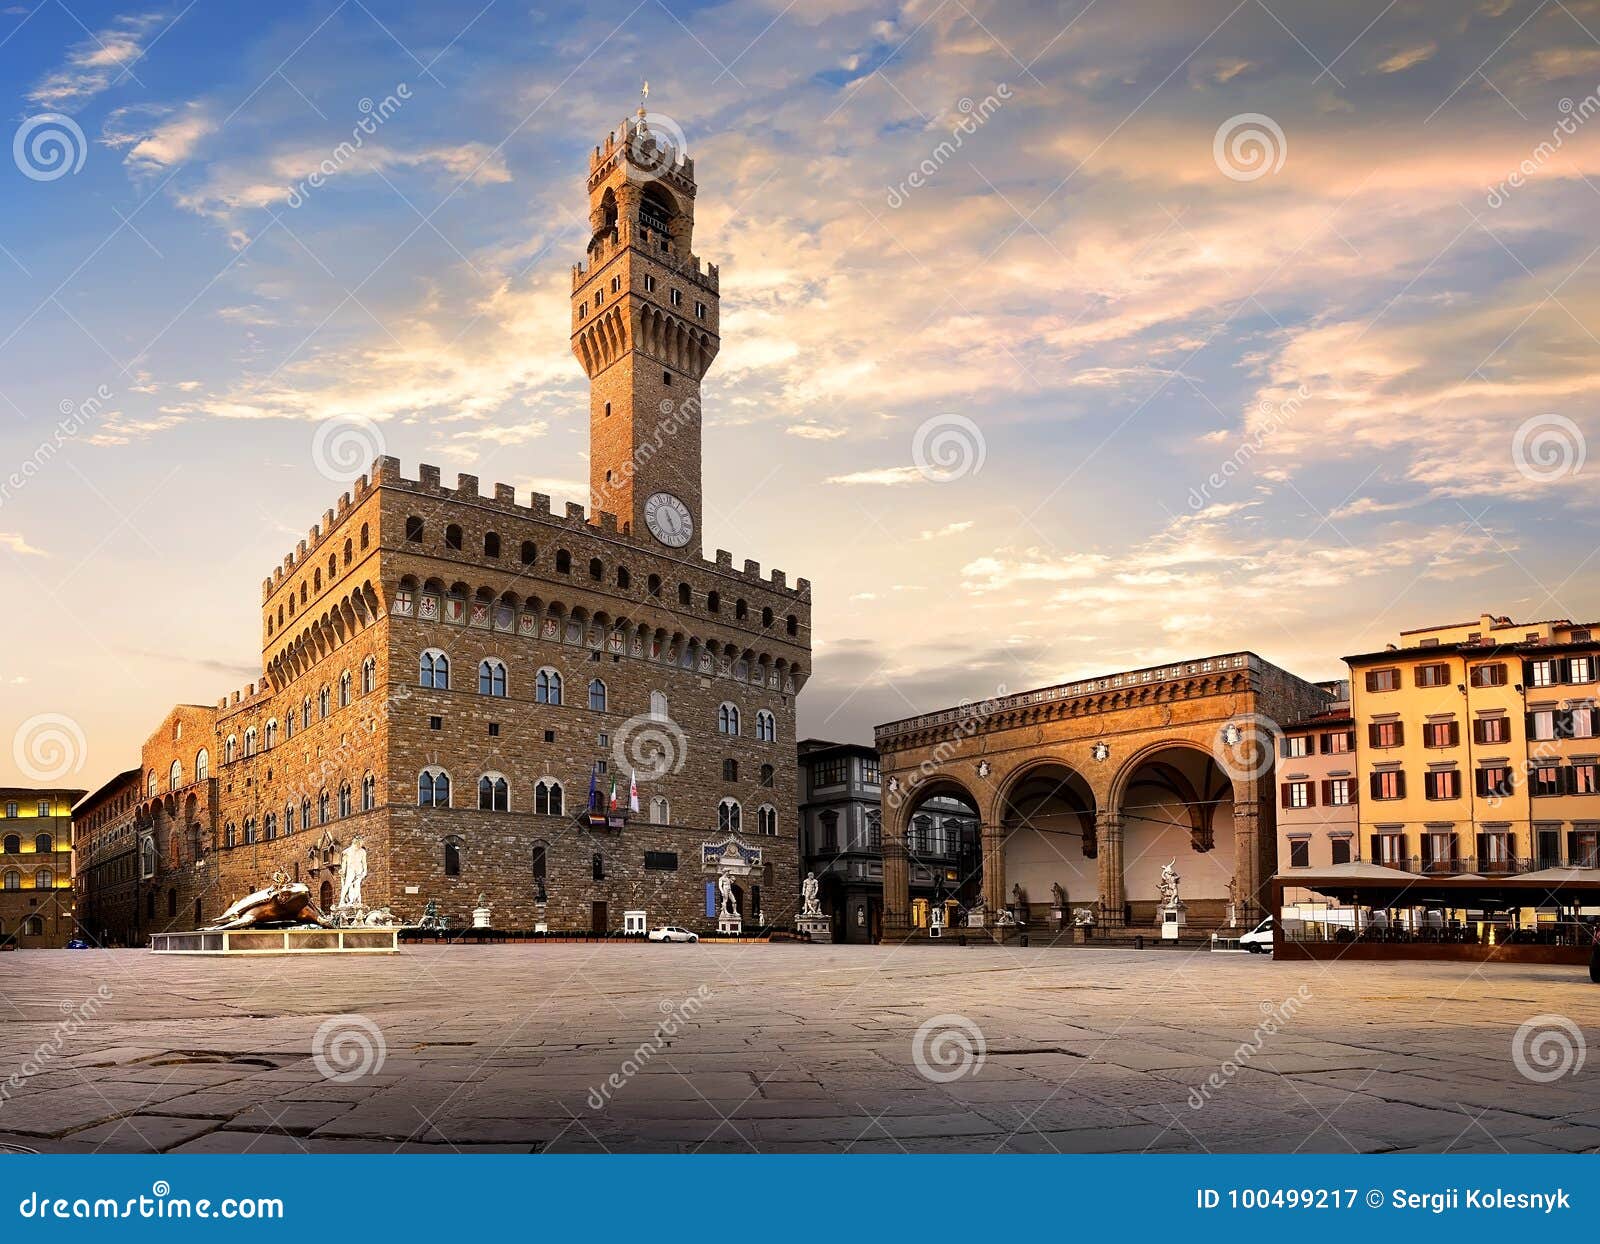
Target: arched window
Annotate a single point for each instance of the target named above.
(305, 812)
(530, 552)
(324, 805)
(175, 775)
(741, 611)
(728, 719)
(13, 879)
(369, 675)
(729, 816)
(44, 879)
(714, 602)
(202, 765)
(658, 705)
(685, 595)
(434, 669)
(288, 819)
(349, 553)
(624, 579)
(33, 926)
(13, 844)
(272, 733)
(597, 866)
(452, 857)
(494, 794)
(491, 544)
(344, 689)
(250, 741)
(660, 811)
(766, 775)
(270, 826)
(324, 703)
(547, 797)
(767, 820)
(433, 788)
(766, 619)
(413, 529)
(230, 835)
(249, 830)
(369, 793)
(652, 585)
(150, 784)
(547, 687)
(792, 625)
(766, 727)
(305, 713)
(44, 844)
(730, 770)
(596, 570)
(540, 864)
(452, 536)
(345, 806)
(492, 677)
(563, 562)
(597, 696)
(365, 536)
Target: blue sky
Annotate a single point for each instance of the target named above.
(1020, 235)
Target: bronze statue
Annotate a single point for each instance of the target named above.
(283, 902)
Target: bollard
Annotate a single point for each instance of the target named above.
(1138, 941)
(1024, 939)
(962, 940)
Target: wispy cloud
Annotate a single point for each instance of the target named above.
(96, 63)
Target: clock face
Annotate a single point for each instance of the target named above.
(669, 519)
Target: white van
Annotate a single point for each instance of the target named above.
(1259, 939)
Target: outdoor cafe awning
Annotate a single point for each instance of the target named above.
(1373, 885)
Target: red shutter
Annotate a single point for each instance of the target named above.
(1283, 795)
(1327, 791)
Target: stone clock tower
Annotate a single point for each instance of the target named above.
(645, 329)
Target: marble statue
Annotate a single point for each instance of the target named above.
(1233, 901)
(1083, 918)
(1058, 896)
(1168, 885)
(725, 891)
(282, 902)
(352, 873)
(809, 890)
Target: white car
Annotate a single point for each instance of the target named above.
(1259, 939)
(672, 933)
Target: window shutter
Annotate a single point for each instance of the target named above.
(1399, 733)
(1572, 846)
(1405, 855)
(1327, 791)
(1372, 783)
(1400, 784)
(1372, 680)
(1311, 794)
(1372, 735)
(1283, 746)
(1511, 847)
(1483, 850)
(1455, 733)
(1477, 730)
(1283, 794)
(1374, 853)
(1527, 673)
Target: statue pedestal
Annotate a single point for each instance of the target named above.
(480, 917)
(1170, 922)
(730, 924)
(818, 928)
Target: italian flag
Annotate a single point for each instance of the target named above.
(613, 793)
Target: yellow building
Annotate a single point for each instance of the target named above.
(36, 866)
(1479, 748)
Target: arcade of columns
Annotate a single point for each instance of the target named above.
(1198, 734)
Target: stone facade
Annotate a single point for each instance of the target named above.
(445, 668)
(106, 862)
(1087, 789)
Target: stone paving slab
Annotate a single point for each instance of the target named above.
(785, 1048)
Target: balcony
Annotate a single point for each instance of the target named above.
(1486, 866)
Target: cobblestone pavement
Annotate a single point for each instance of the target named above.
(616, 1048)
